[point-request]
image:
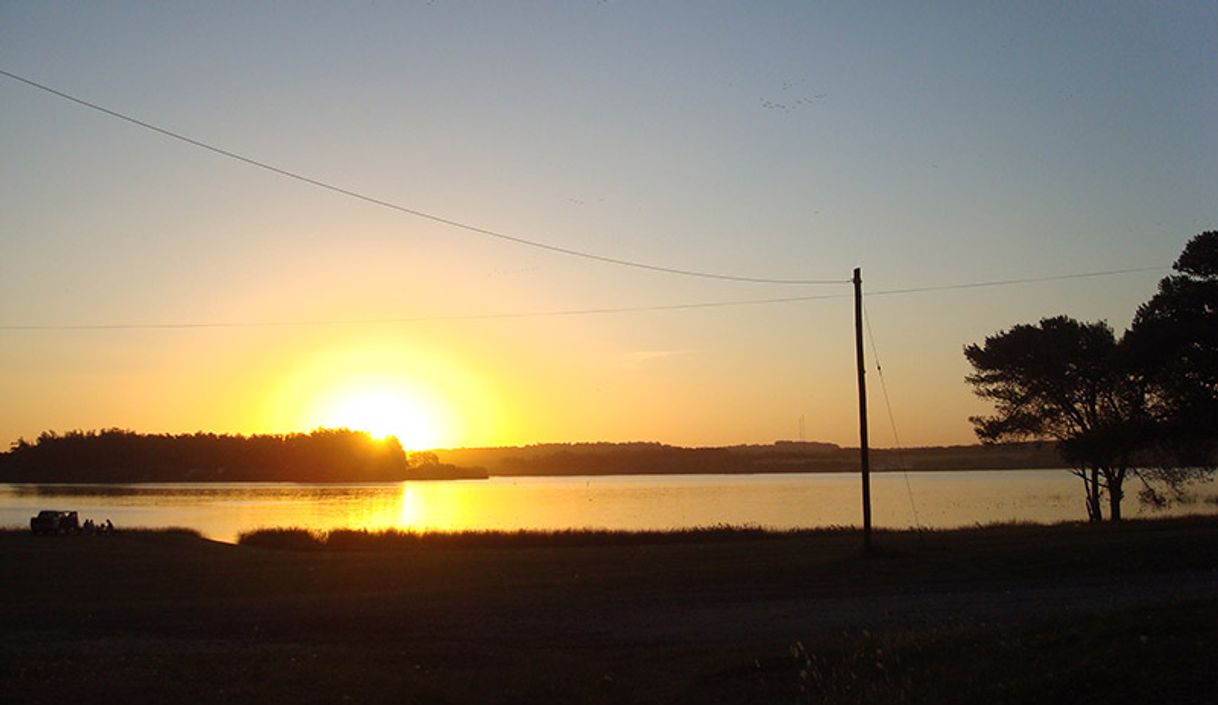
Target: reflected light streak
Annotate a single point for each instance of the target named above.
(437, 506)
(411, 508)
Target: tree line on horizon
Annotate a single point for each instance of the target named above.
(120, 455)
(606, 458)
(1140, 406)
(340, 455)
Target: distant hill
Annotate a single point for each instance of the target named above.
(782, 456)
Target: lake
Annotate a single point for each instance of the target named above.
(221, 511)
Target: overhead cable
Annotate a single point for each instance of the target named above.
(1008, 282)
(417, 319)
(547, 314)
(892, 421)
(412, 211)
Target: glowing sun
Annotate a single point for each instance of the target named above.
(383, 413)
(386, 387)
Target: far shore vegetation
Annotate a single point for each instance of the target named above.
(123, 456)
(117, 455)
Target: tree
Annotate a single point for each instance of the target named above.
(1144, 406)
(1063, 380)
(1174, 345)
(118, 455)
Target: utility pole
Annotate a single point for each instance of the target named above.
(864, 454)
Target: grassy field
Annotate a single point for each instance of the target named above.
(1112, 614)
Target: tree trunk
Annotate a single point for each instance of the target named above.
(1116, 492)
(1092, 486)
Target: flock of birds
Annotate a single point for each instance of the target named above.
(789, 105)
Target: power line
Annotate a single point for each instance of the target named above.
(547, 314)
(892, 420)
(418, 319)
(412, 211)
(1007, 282)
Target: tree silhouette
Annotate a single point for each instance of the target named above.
(1064, 380)
(1174, 347)
(1145, 405)
(117, 455)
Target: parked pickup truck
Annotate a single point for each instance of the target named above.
(51, 521)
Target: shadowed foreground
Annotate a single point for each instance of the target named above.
(1109, 614)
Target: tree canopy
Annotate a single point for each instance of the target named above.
(1174, 345)
(1052, 379)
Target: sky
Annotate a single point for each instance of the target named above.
(929, 144)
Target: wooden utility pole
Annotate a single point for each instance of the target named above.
(864, 454)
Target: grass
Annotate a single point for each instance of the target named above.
(944, 617)
(303, 539)
(1163, 654)
(300, 539)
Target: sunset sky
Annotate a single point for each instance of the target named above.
(929, 144)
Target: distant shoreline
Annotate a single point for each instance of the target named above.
(123, 457)
(779, 457)
(491, 476)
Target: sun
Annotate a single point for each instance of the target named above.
(387, 385)
(382, 413)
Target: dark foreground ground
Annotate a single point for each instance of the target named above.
(1066, 614)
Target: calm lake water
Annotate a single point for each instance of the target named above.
(940, 500)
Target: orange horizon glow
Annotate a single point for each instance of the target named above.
(382, 386)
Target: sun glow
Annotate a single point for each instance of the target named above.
(383, 413)
(388, 385)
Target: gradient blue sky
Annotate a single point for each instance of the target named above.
(927, 143)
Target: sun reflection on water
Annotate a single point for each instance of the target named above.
(411, 508)
(438, 506)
